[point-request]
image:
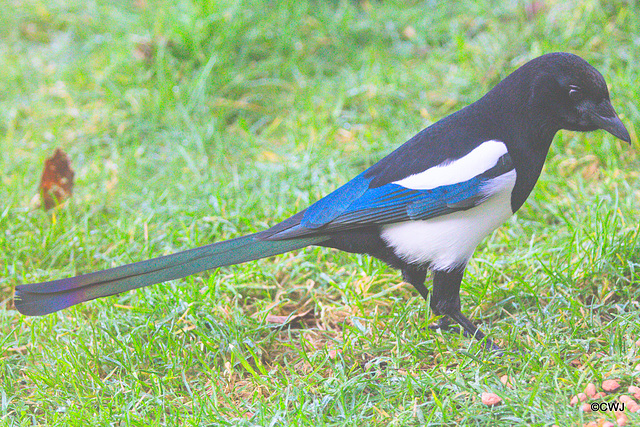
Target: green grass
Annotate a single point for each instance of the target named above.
(246, 112)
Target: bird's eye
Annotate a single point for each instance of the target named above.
(575, 93)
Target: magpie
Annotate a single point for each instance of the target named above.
(423, 208)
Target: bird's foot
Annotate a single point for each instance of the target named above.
(469, 330)
(445, 324)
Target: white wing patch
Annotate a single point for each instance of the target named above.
(448, 241)
(463, 169)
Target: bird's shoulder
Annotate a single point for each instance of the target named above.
(442, 169)
(445, 141)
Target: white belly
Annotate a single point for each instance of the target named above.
(449, 241)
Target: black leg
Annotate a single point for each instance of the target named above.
(445, 300)
(416, 277)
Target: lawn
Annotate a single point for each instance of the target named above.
(191, 122)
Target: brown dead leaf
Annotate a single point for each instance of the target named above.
(590, 390)
(490, 399)
(622, 419)
(18, 349)
(56, 183)
(333, 353)
(290, 319)
(635, 390)
(576, 362)
(610, 385)
(506, 381)
(625, 398)
(145, 50)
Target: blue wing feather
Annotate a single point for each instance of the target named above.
(334, 204)
(356, 205)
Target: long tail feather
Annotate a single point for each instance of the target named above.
(38, 299)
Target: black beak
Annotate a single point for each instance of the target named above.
(605, 118)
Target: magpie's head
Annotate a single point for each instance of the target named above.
(574, 94)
